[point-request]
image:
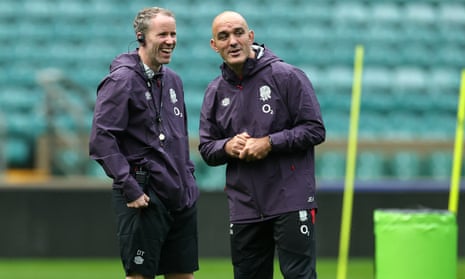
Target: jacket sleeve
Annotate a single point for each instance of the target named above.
(212, 141)
(307, 128)
(110, 121)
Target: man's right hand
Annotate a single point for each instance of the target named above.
(235, 145)
(142, 201)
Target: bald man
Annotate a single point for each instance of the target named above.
(262, 119)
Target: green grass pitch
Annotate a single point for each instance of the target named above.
(209, 269)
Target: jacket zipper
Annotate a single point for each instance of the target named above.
(259, 210)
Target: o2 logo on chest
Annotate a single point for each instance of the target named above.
(266, 108)
(174, 100)
(265, 95)
(177, 112)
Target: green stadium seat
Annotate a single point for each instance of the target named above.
(330, 165)
(418, 34)
(313, 52)
(440, 164)
(377, 101)
(319, 14)
(377, 77)
(420, 13)
(417, 55)
(35, 30)
(439, 126)
(337, 124)
(418, 102)
(343, 51)
(406, 165)
(69, 160)
(402, 125)
(8, 25)
(408, 79)
(372, 124)
(339, 79)
(19, 99)
(452, 13)
(380, 36)
(28, 125)
(90, 75)
(386, 13)
(450, 34)
(443, 80)
(19, 74)
(9, 8)
(445, 103)
(39, 8)
(249, 9)
(18, 151)
(115, 8)
(3, 81)
(350, 12)
(315, 35)
(452, 55)
(381, 52)
(336, 101)
(370, 166)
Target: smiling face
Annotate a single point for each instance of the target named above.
(232, 39)
(160, 41)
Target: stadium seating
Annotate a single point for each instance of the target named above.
(371, 166)
(414, 52)
(330, 166)
(18, 152)
(439, 164)
(406, 165)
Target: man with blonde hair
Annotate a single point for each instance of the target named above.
(139, 136)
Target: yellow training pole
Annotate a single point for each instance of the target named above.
(350, 166)
(457, 161)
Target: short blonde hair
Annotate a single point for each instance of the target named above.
(141, 22)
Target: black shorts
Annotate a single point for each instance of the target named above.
(154, 241)
(291, 234)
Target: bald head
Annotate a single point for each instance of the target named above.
(232, 40)
(228, 17)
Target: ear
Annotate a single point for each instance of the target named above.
(140, 38)
(213, 45)
(251, 36)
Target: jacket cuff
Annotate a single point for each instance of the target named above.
(276, 141)
(131, 190)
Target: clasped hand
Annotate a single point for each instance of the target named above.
(244, 147)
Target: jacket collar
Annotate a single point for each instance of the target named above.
(249, 67)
